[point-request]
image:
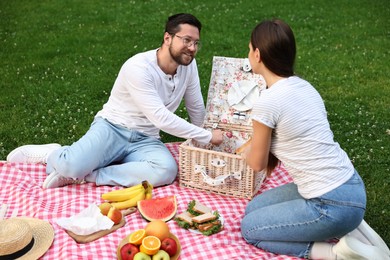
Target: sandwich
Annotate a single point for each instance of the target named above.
(196, 208)
(200, 217)
(184, 220)
(208, 223)
(204, 218)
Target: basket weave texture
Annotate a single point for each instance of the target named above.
(218, 169)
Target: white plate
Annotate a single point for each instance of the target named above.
(243, 94)
(195, 231)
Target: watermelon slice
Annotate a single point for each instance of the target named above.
(158, 208)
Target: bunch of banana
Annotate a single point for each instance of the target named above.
(149, 192)
(128, 197)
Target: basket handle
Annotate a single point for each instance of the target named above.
(219, 180)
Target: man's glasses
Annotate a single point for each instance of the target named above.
(188, 42)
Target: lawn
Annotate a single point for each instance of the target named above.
(59, 59)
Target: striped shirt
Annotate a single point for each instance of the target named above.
(302, 139)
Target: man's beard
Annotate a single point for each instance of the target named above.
(180, 58)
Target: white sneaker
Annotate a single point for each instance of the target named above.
(349, 248)
(32, 153)
(373, 237)
(55, 180)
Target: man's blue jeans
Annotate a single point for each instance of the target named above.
(281, 221)
(109, 154)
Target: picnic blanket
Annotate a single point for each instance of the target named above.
(21, 189)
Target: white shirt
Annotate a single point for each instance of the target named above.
(144, 98)
(302, 138)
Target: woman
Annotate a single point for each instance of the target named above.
(327, 198)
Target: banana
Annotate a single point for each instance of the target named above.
(126, 193)
(123, 195)
(129, 203)
(148, 196)
(144, 184)
(149, 193)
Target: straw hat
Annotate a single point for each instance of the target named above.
(24, 238)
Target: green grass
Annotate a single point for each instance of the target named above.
(59, 59)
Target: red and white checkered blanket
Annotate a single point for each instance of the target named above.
(21, 191)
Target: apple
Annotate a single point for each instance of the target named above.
(115, 215)
(128, 251)
(161, 255)
(142, 256)
(104, 208)
(169, 245)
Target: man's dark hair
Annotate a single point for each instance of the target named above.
(173, 24)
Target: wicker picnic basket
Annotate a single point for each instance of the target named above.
(232, 91)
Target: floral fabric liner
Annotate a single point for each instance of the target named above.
(226, 72)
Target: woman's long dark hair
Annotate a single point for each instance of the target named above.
(276, 43)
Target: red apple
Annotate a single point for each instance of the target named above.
(169, 245)
(128, 251)
(115, 215)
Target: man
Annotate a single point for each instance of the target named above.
(122, 146)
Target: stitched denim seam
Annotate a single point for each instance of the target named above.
(286, 225)
(306, 253)
(340, 203)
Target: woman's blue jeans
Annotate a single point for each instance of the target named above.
(109, 154)
(281, 221)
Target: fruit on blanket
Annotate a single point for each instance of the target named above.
(127, 193)
(148, 196)
(128, 251)
(169, 245)
(142, 256)
(137, 236)
(123, 195)
(161, 255)
(150, 245)
(115, 215)
(129, 203)
(149, 192)
(158, 208)
(157, 228)
(104, 208)
(128, 197)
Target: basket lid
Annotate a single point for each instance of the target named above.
(232, 92)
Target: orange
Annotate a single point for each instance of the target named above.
(157, 228)
(137, 236)
(150, 245)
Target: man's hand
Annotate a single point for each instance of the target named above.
(217, 137)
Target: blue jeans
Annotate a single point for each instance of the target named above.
(109, 154)
(281, 221)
